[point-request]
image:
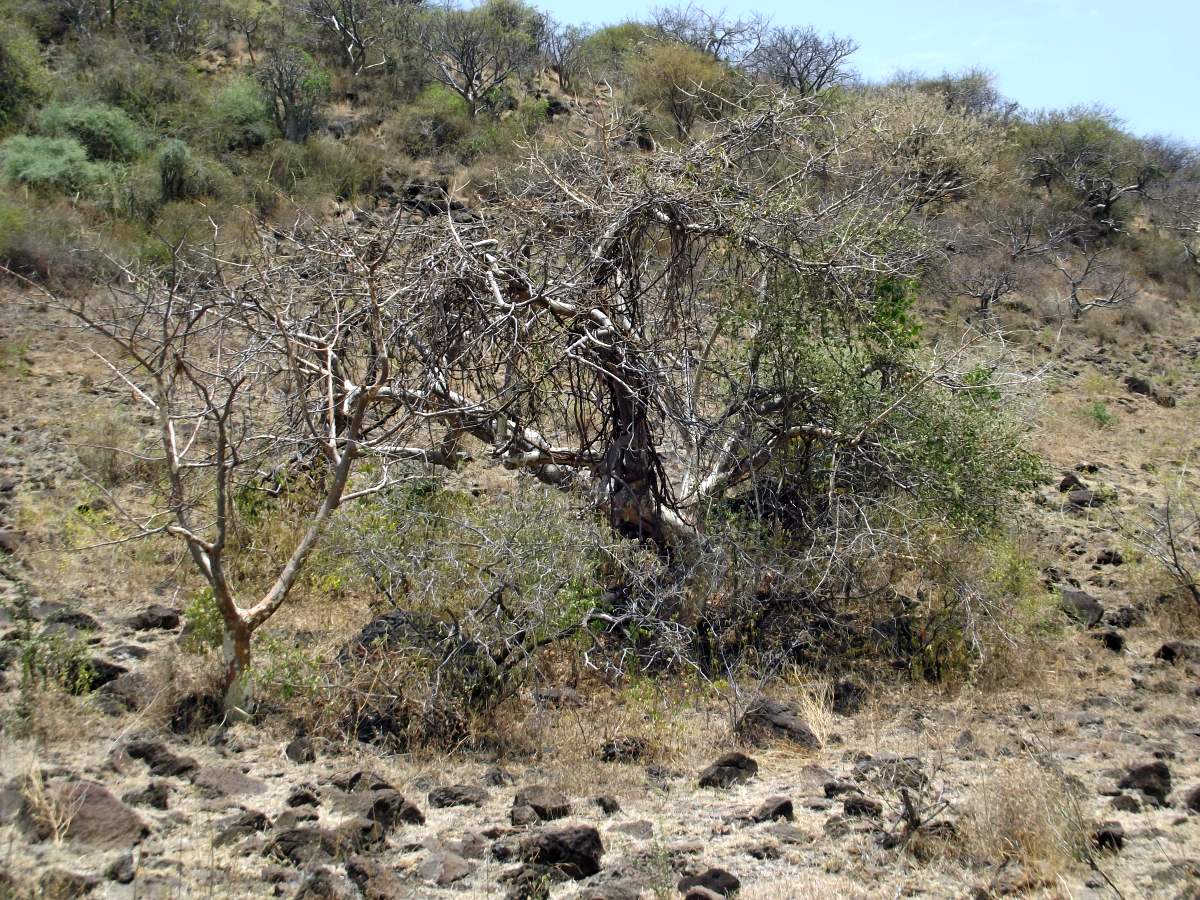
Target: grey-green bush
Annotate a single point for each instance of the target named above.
(104, 131)
(50, 164)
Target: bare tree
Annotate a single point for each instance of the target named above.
(355, 26)
(1091, 284)
(563, 46)
(474, 51)
(713, 33)
(802, 60)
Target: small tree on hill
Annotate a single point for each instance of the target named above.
(296, 91)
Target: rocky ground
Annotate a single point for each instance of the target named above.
(1082, 777)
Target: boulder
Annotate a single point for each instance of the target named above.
(574, 850)
(730, 769)
(224, 781)
(547, 804)
(444, 868)
(457, 795)
(774, 808)
(719, 881)
(374, 880)
(1153, 780)
(772, 719)
(1109, 836)
(92, 816)
(856, 805)
(1081, 606)
(155, 617)
(624, 749)
(154, 795)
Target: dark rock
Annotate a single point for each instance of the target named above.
(862, 807)
(642, 829)
(523, 815)
(1126, 803)
(1111, 639)
(890, 771)
(1110, 557)
(838, 787)
(303, 795)
(774, 808)
(99, 673)
(132, 691)
(1084, 499)
(154, 795)
(128, 652)
(848, 697)
(718, 881)
(730, 769)
(100, 820)
(155, 617)
(1081, 606)
(373, 879)
(1191, 800)
(193, 711)
(122, 869)
(546, 803)
(360, 780)
(223, 781)
(300, 750)
(387, 808)
(769, 719)
(575, 850)
(457, 795)
(296, 817)
(1175, 651)
(1109, 836)
(445, 868)
(788, 834)
(608, 805)
(324, 883)
(1138, 385)
(1071, 482)
(531, 881)
(498, 777)
(1125, 617)
(241, 826)
(1153, 780)
(62, 884)
(9, 541)
(299, 846)
(624, 750)
(614, 890)
(80, 621)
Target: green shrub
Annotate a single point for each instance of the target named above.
(239, 117)
(51, 164)
(180, 176)
(105, 131)
(434, 123)
(21, 73)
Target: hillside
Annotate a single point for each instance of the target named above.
(449, 453)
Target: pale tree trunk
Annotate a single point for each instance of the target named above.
(235, 645)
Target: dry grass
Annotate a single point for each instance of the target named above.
(51, 816)
(1026, 813)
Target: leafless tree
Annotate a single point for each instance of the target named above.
(296, 91)
(563, 46)
(473, 52)
(356, 26)
(1170, 535)
(1091, 283)
(802, 60)
(725, 39)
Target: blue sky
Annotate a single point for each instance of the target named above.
(1140, 58)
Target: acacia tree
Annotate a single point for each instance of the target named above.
(357, 27)
(474, 51)
(680, 82)
(713, 34)
(563, 46)
(802, 60)
(296, 91)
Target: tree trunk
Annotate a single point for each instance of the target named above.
(236, 646)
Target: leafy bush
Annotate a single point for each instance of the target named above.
(20, 73)
(181, 177)
(50, 164)
(434, 123)
(104, 131)
(679, 82)
(239, 117)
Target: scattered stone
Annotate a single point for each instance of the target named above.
(531, 881)
(498, 777)
(1081, 606)
(359, 780)
(9, 541)
(99, 819)
(614, 890)
(608, 805)
(300, 750)
(701, 893)
(130, 692)
(642, 829)
(1109, 836)
(445, 868)
(771, 719)
(859, 806)
(223, 781)
(523, 815)
(889, 770)
(1084, 499)
(299, 846)
(848, 697)
(70, 618)
(154, 795)
(719, 881)
(122, 869)
(730, 769)
(1191, 799)
(100, 672)
(294, 818)
(788, 834)
(324, 883)
(1126, 803)
(1111, 639)
(194, 710)
(457, 795)
(373, 879)
(1110, 557)
(1174, 651)
(303, 795)
(837, 787)
(575, 850)
(128, 652)
(162, 762)
(1125, 617)
(1136, 384)
(241, 826)
(1152, 779)
(774, 808)
(547, 804)
(1071, 482)
(155, 617)
(624, 750)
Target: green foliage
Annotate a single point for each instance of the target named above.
(434, 123)
(1099, 414)
(180, 176)
(51, 164)
(176, 27)
(203, 627)
(105, 131)
(606, 52)
(239, 117)
(21, 74)
(681, 83)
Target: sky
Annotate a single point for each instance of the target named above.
(1139, 58)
